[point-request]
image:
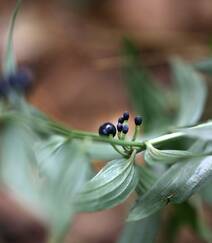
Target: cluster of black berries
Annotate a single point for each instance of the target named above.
(108, 128)
(121, 127)
(21, 80)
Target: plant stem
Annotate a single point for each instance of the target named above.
(118, 150)
(133, 144)
(94, 136)
(9, 65)
(136, 132)
(77, 134)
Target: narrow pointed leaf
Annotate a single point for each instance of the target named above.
(17, 161)
(147, 177)
(176, 185)
(204, 66)
(206, 192)
(191, 91)
(110, 187)
(153, 155)
(142, 231)
(147, 96)
(202, 131)
(65, 168)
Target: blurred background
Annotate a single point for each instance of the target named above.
(74, 50)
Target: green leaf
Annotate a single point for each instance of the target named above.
(104, 152)
(17, 161)
(202, 131)
(191, 91)
(110, 187)
(176, 185)
(181, 215)
(204, 65)
(47, 182)
(9, 65)
(206, 192)
(202, 228)
(147, 177)
(142, 231)
(153, 155)
(64, 166)
(148, 98)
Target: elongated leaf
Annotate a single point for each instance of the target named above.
(204, 66)
(191, 90)
(147, 177)
(153, 155)
(102, 152)
(206, 192)
(49, 156)
(147, 97)
(185, 214)
(17, 161)
(202, 131)
(65, 168)
(142, 231)
(175, 185)
(49, 183)
(202, 228)
(110, 187)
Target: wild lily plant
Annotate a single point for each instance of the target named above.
(50, 167)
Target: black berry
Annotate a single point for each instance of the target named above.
(119, 127)
(107, 129)
(138, 120)
(126, 116)
(125, 129)
(121, 120)
(20, 80)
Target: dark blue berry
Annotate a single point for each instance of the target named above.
(4, 88)
(104, 132)
(125, 129)
(20, 80)
(121, 120)
(107, 129)
(138, 120)
(119, 127)
(126, 116)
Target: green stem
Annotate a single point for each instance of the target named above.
(136, 132)
(132, 156)
(166, 137)
(9, 65)
(81, 135)
(95, 137)
(119, 151)
(133, 144)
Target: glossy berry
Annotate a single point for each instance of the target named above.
(119, 127)
(121, 120)
(125, 129)
(4, 88)
(126, 116)
(107, 129)
(138, 120)
(20, 80)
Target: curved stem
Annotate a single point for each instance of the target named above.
(9, 65)
(118, 150)
(76, 134)
(94, 136)
(136, 132)
(133, 144)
